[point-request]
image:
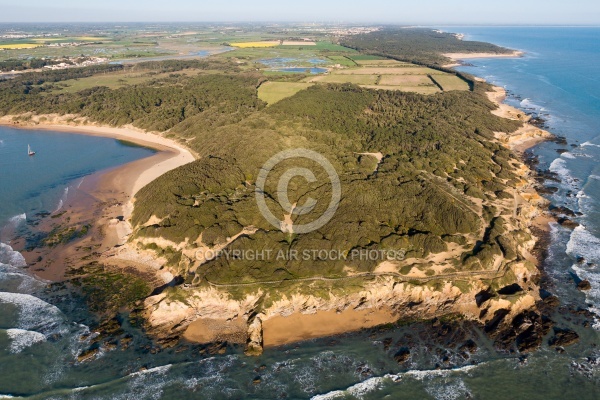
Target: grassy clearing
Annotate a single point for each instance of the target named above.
(246, 45)
(272, 92)
(450, 82)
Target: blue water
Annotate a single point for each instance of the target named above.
(30, 185)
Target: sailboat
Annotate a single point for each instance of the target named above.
(29, 151)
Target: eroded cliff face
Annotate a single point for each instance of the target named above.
(494, 303)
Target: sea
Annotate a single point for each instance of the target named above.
(43, 329)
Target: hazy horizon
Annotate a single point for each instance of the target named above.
(433, 12)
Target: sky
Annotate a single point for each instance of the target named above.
(402, 12)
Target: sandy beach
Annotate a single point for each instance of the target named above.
(457, 57)
(297, 327)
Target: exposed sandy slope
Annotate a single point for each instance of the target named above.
(525, 137)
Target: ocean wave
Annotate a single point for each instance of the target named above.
(11, 281)
(62, 200)
(452, 391)
(359, 390)
(146, 384)
(529, 104)
(449, 391)
(35, 314)
(7, 232)
(160, 370)
(10, 257)
(583, 243)
(595, 177)
(568, 155)
(588, 144)
(22, 339)
(17, 219)
(559, 167)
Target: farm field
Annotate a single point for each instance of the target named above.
(342, 60)
(272, 92)
(67, 39)
(405, 80)
(19, 46)
(450, 82)
(431, 89)
(297, 43)
(246, 45)
(355, 79)
(393, 75)
(405, 70)
(381, 63)
(366, 57)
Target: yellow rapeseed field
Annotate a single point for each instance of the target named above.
(19, 46)
(245, 45)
